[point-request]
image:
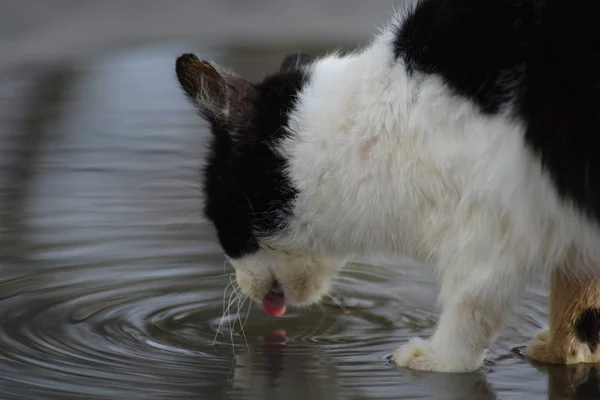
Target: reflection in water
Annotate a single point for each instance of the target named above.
(269, 371)
(272, 371)
(573, 382)
(112, 285)
(46, 96)
(472, 386)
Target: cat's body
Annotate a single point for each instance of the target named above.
(466, 135)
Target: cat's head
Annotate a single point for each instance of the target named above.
(249, 197)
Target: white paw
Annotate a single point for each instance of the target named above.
(419, 354)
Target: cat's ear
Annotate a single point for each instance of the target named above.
(221, 95)
(296, 60)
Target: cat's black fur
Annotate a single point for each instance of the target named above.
(541, 57)
(587, 328)
(244, 182)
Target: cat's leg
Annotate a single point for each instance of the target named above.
(573, 335)
(474, 303)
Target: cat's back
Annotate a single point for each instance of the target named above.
(560, 99)
(538, 59)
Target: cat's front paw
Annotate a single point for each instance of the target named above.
(419, 354)
(416, 354)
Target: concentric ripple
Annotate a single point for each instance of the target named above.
(116, 335)
(150, 334)
(150, 337)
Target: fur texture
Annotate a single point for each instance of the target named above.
(573, 333)
(464, 135)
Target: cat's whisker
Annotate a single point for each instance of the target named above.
(230, 285)
(249, 310)
(237, 301)
(227, 312)
(223, 313)
(249, 300)
(241, 302)
(321, 322)
(234, 302)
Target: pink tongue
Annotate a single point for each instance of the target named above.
(274, 301)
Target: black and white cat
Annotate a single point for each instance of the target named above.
(467, 134)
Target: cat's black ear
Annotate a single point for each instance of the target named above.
(296, 60)
(219, 94)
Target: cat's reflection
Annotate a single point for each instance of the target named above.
(572, 382)
(448, 386)
(273, 371)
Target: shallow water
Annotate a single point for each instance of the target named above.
(114, 287)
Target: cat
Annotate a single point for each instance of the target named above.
(463, 135)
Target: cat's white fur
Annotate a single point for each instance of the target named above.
(390, 163)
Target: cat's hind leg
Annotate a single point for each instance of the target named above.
(475, 302)
(573, 335)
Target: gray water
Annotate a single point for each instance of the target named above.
(112, 285)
